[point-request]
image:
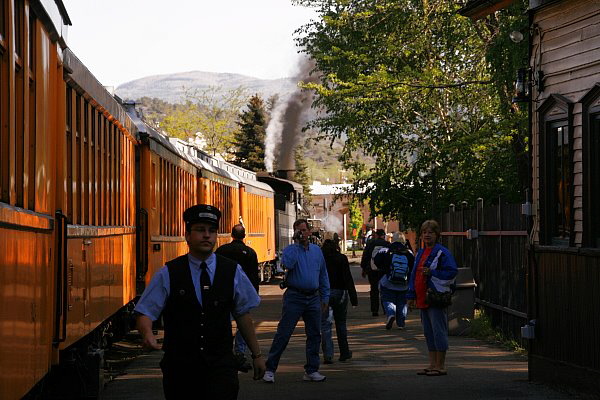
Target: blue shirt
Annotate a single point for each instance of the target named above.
(306, 269)
(155, 296)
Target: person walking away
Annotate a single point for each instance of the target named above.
(435, 273)
(246, 257)
(396, 262)
(306, 296)
(341, 289)
(197, 293)
(370, 270)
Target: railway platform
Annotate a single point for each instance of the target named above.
(383, 366)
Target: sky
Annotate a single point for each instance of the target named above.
(123, 40)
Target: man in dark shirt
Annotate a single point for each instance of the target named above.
(246, 257)
(369, 269)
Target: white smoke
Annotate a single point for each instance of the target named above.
(273, 134)
(333, 223)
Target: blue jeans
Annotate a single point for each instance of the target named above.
(435, 327)
(394, 304)
(296, 305)
(338, 303)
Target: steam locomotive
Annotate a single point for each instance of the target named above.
(91, 200)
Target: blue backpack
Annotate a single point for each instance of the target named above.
(398, 272)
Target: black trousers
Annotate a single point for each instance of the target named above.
(184, 380)
(374, 277)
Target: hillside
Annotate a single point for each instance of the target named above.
(159, 96)
(170, 87)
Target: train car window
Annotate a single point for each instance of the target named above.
(85, 157)
(19, 15)
(78, 162)
(69, 151)
(4, 171)
(2, 21)
(19, 131)
(32, 114)
(31, 37)
(100, 160)
(93, 165)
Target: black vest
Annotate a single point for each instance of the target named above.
(194, 333)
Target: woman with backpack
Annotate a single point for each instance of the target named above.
(396, 262)
(429, 290)
(341, 290)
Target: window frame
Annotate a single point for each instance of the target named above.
(548, 199)
(590, 110)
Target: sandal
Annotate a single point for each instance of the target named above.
(424, 371)
(436, 372)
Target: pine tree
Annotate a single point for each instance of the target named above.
(250, 141)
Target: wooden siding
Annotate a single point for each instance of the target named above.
(567, 314)
(566, 47)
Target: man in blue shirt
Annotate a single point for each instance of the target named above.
(307, 296)
(197, 293)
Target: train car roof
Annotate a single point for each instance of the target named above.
(145, 130)
(279, 184)
(247, 177)
(84, 82)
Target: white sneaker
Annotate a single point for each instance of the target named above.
(314, 377)
(269, 377)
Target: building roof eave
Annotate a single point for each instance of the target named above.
(477, 9)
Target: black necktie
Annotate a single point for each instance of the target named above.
(204, 283)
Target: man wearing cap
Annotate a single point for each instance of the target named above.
(370, 270)
(307, 296)
(196, 294)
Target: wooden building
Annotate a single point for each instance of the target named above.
(564, 263)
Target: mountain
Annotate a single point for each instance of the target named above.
(171, 87)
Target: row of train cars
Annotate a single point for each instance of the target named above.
(91, 200)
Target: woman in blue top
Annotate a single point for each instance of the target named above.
(435, 269)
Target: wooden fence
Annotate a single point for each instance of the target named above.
(491, 240)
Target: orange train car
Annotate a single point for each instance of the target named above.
(67, 204)
(31, 124)
(241, 198)
(167, 184)
(91, 200)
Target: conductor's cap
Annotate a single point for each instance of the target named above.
(202, 213)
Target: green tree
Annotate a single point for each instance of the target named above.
(356, 218)
(249, 140)
(410, 83)
(212, 114)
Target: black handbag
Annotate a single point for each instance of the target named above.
(438, 299)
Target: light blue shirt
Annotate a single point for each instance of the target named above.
(155, 296)
(306, 269)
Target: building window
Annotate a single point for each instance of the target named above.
(591, 165)
(556, 172)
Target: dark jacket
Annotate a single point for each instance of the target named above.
(365, 261)
(243, 255)
(340, 277)
(195, 333)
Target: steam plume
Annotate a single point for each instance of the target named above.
(283, 131)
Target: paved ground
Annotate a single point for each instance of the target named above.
(383, 366)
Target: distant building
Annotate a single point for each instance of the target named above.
(325, 207)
